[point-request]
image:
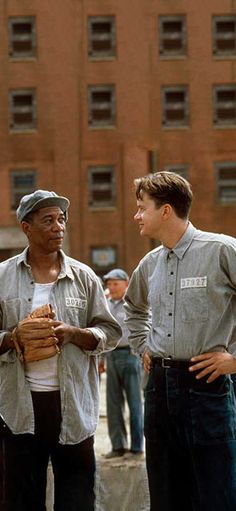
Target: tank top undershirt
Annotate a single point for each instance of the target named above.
(42, 375)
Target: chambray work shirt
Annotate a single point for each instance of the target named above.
(80, 301)
(191, 291)
(118, 311)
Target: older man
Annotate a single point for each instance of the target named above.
(124, 373)
(49, 406)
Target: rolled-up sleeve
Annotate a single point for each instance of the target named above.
(101, 323)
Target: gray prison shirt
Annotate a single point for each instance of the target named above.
(80, 301)
(191, 292)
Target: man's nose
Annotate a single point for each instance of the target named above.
(137, 216)
(58, 226)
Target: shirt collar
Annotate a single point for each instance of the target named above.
(115, 302)
(66, 270)
(22, 258)
(184, 243)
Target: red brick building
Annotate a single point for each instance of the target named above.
(94, 93)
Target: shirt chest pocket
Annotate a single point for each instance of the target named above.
(194, 305)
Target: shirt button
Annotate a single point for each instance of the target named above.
(172, 273)
(170, 293)
(168, 335)
(170, 313)
(29, 299)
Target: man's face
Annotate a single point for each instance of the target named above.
(46, 231)
(116, 288)
(148, 217)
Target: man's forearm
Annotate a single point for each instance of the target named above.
(84, 339)
(7, 343)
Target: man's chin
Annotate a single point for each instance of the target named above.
(143, 233)
(57, 243)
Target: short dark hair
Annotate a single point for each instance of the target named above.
(166, 188)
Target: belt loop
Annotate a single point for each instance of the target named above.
(164, 362)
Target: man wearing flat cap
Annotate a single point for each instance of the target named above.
(124, 374)
(49, 406)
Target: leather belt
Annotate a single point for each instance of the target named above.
(167, 363)
(123, 348)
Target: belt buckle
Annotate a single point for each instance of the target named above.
(164, 363)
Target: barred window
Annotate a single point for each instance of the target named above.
(224, 100)
(22, 37)
(101, 105)
(175, 107)
(22, 105)
(172, 35)
(22, 182)
(101, 36)
(224, 35)
(102, 191)
(226, 181)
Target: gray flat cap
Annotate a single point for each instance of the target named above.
(116, 274)
(40, 199)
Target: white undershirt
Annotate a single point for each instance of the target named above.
(42, 375)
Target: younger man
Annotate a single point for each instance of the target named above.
(190, 411)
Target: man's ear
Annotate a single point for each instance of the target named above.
(167, 211)
(25, 226)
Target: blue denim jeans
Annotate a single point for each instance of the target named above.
(24, 461)
(124, 373)
(190, 430)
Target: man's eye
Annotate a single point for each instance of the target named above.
(47, 221)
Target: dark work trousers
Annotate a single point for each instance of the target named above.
(190, 429)
(24, 461)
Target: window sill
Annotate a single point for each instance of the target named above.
(95, 209)
(103, 127)
(176, 127)
(224, 126)
(224, 57)
(23, 59)
(97, 58)
(173, 57)
(22, 131)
